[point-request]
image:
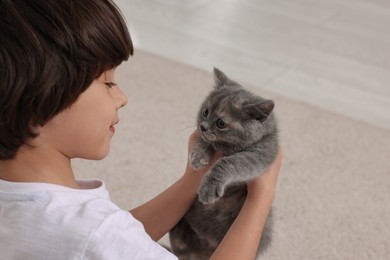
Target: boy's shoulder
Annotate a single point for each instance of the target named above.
(58, 207)
(57, 219)
(50, 201)
(64, 223)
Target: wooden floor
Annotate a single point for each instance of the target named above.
(330, 53)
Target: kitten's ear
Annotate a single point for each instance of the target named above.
(259, 110)
(221, 79)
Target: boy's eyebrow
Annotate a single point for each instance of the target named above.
(107, 74)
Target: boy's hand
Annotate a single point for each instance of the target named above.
(266, 183)
(196, 175)
(195, 137)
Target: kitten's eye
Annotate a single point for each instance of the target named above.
(221, 124)
(205, 112)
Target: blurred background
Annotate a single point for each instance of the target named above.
(334, 54)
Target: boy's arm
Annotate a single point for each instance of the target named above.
(243, 238)
(162, 213)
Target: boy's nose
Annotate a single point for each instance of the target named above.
(121, 98)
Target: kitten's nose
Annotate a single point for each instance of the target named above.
(203, 127)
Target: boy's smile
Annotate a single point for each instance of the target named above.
(112, 127)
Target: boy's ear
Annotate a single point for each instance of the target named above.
(221, 79)
(258, 110)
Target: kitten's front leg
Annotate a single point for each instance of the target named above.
(213, 183)
(240, 167)
(201, 154)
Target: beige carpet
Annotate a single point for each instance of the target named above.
(334, 190)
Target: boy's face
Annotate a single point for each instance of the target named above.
(85, 129)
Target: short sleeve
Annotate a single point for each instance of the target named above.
(121, 236)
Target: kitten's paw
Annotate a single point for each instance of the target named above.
(210, 191)
(198, 161)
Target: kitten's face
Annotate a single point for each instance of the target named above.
(219, 119)
(233, 117)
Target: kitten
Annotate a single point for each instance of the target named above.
(242, 126)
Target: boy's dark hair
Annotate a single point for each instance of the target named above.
(50, 52)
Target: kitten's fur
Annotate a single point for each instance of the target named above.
(242, 126)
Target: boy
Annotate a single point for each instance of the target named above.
(58, 101)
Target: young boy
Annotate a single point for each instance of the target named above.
(58, 101)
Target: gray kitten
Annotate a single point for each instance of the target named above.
(242, 126)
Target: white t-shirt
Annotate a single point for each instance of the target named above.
(47, 221)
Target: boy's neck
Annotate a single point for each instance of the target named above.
(35, 165)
